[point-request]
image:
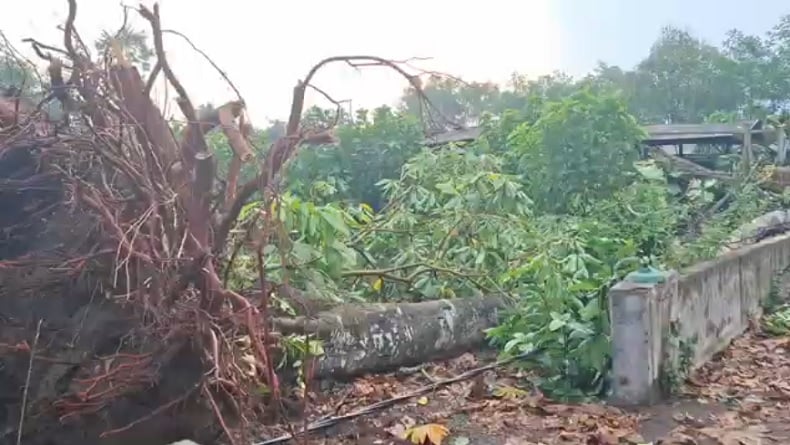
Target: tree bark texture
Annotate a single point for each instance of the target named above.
(360, 339)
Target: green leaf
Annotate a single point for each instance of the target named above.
(556, 324)
(650, 171)
(446, 188)
(315, 348)
(481, 257)
(336, 221)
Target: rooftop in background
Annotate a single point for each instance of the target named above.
(670, 134)
(454, 136)
(673, 134)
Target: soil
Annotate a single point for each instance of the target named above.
(741, 397)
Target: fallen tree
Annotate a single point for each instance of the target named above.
(382, 337)
(115, 232)
(774, 183)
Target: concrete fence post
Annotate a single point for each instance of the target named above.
(638, 314)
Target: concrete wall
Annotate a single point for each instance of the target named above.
(689, 317)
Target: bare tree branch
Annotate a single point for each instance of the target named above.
(282, 149)
(209, 60)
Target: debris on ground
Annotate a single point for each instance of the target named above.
(496, 407)
(740, 398)
(747, 390)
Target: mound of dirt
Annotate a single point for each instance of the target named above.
(116, 326)
(54, 307)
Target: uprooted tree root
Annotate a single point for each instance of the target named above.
(157, 225)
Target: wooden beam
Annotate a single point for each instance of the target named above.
(746, 152)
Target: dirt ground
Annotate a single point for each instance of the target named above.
(740, 398)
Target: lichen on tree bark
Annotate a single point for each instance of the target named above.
(382, 337)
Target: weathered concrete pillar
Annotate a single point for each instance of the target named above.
(639, 313)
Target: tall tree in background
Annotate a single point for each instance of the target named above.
(134, 43)
(456, 100)
(374, 147)
(754, 70)
(683, 79)
(17, 76)
(779, 40)
(548, 87)
(316, 117)
(580, 149)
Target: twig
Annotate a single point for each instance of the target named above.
(338, 103)
(21, 59)
(266, 295)
(84, 47)
(284, 147)
(38, 46)
(330, 421)
(117, 35)
(125, 21)
(218, 415)
(149, 84)
(153, 413)
(423, 268)
(27, 384)
(183, 101)
(68, 31)
(156, 25)
(208, 59)
(326, 95)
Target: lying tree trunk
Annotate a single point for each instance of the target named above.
(693, 169)
(382, 337)
(689, 167)
(765, 226)
(781, 176)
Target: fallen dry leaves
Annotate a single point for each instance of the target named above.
(496, 404)
(749, 380)
(753, 367)
(734, 435)
(743, 398)
(428, 434)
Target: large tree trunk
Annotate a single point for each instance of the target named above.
(382, 337)
(774, 184)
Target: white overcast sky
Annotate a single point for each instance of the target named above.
(265, 46)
